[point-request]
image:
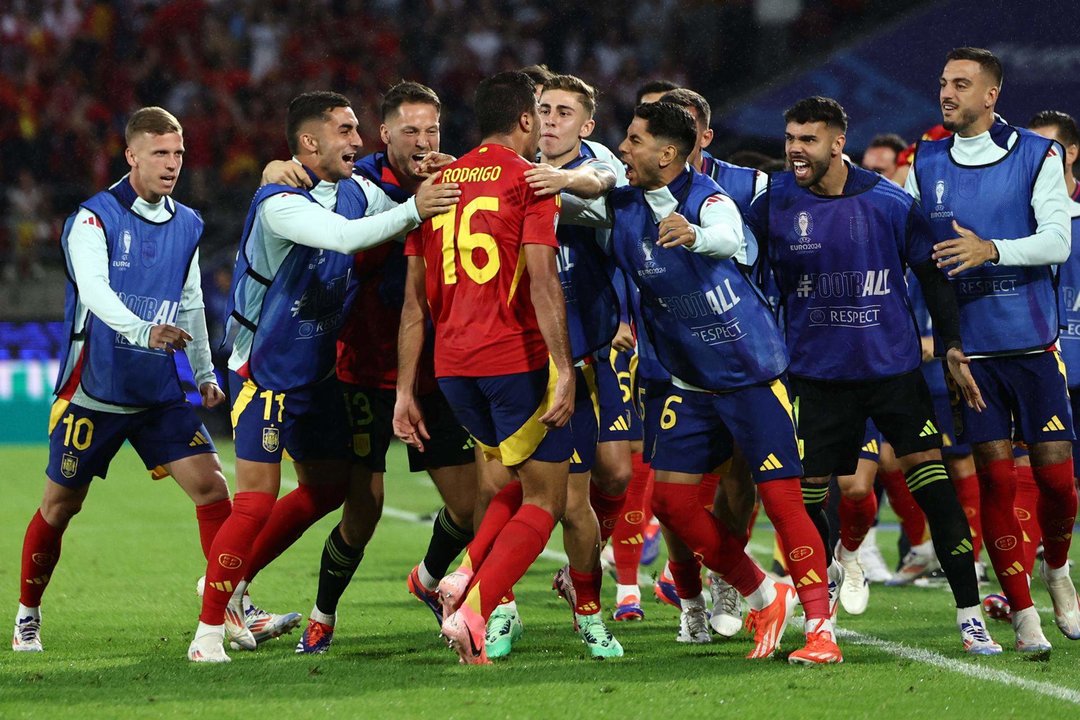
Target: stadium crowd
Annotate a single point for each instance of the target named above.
(71, 71)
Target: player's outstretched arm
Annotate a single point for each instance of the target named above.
(298, 220)
(408, 419)
(593, 213)
(550, 305)
(285, 172)
(590, 180)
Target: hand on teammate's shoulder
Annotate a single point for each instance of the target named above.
(434, 198)
(545, 179)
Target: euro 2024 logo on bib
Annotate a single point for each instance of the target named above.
(125, 251)
(648, 247)
(803, 226)
(647, 251)
(941, 192)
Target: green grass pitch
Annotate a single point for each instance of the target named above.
(121, 609)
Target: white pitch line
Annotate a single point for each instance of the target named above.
(920, 655)
(970, 670)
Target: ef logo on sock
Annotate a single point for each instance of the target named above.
(1007, 542)
(800, 553)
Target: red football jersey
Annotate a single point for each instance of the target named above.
(477, 282)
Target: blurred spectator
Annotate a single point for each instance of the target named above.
(27, 229)
(882, 154)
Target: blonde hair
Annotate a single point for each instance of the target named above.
(585, 92)
(153, 120)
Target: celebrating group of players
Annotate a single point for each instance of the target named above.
(560, 334)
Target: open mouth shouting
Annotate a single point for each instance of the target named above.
(801, 168)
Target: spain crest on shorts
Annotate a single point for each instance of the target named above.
(69, 465)
(361, 444)
(271, 439)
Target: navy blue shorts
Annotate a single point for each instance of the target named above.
(1027, 398)
(584, 421)
(83, 442)
(303, 425)
(871, 449)
(371, 421)
(503, 412)
(698, 430)
(615, 371)
(651, 397)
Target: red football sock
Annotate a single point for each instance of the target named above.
(628, 536)
(686, 577)
(753, 519)
(1056, 510)
(680, 509)
(292, 515)
(499, 511)
(804, 552)
(516, 548)
(997, 494)
(607, 509)
(856, 517)
(587, 590)
(40, 553)
(231, 550)
(211, 517)
(707, 490)
(1026, 508)
(967, 492)
(912, 520)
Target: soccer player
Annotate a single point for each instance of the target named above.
(568, 162)
(1061, 127)
(486, 274)
(740, 184)
(288, 302)
(367, 369)
(674, 235)
(133, 298)
(995, 199)
(599, 471)
(838, 241)
(882, 153)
